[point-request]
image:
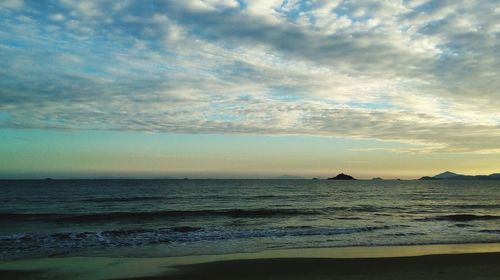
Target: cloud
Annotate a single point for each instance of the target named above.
(56, 17)
(12, 4)
(410, 71)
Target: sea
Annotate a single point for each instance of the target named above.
(152, 218)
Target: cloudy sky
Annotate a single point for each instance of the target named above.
(241, 88)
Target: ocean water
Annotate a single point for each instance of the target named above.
(191, 217)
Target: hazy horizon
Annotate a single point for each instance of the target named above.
(222, 176)
(247, 89)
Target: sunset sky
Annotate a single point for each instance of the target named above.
(248, 89)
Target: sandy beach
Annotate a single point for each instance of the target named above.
(464, 261)
(457, 266)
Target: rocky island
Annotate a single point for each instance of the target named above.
(342, 176)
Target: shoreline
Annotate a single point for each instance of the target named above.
(451, 266)
(317, 262)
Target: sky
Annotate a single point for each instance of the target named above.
(248, 89)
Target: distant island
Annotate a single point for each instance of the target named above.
(342, 176)
(447, 175)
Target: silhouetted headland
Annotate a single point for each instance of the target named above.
(447, 175)
(342, 176)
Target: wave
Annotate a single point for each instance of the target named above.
(461, 218)
(494, 231)
(166, 214)
(478, 206)
(399, 234)
(7, 217)
(113, 216)
(123, 199)
(363, 208)
(72, 241)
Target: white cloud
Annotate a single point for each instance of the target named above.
(69, 58)
(388, 70)
(88, 8)
(265, 9)
(12, 4)
(56, 17)
(222, 3)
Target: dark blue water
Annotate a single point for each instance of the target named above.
(187, 217)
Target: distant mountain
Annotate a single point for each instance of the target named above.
(454, 176)
(446, 175)
(495, 175)
(287, 177)
(342, 176)
(377, 179)
(426, 178)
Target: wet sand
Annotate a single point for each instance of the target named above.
(458, 266)
(462, 261)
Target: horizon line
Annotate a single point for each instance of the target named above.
(276, 177)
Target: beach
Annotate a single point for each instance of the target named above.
(458, 266)
(453, 261)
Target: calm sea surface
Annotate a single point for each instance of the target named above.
(189, 217)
